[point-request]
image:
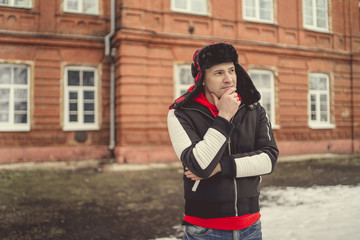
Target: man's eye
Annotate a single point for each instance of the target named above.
(232, 70)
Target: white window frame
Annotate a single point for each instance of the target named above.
(180, 88)
(257, 17)
(318, 123)
(11, 125)
(188, 9)
(264, 90)
(80, 124)
(11, 3)
(80, 9)
(314, 26)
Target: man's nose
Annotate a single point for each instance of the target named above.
(228, 77)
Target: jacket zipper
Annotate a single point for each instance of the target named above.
(235, 184)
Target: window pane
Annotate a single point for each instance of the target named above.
(89, 118)
(323, 102)
(20, 118)
(256, 79)
(186, 77)
(308, 13)
(22, 3)
(4, 2)
(198, 6)
(321, 4)
(265, 14)
(19, 106)
(89, 106)
(265, 10)
(73, 78)
(265, 81)
(72, 4)
(181, 4)
(250, 8)
(73, 118)
(323, 84)
(4, 106)
(73, 95)
(73, 106)
(4, 94)
(266, 102)
(313, 83)
(88, 78)
(323, 108)
(313, 107)
(5, 75)
(4, 117)
(20, 93)
(89, 95)
(20, 75)
(89, 6)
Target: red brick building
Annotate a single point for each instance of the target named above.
(84, 79)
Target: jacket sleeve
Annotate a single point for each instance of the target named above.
(199, 154)
(261, 161)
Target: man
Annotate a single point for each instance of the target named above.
(222, 136)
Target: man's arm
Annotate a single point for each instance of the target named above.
(256, 163)
(261, 161)
(200, 155)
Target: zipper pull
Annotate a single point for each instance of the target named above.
(229, 145)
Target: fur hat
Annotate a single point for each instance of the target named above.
(209, 56)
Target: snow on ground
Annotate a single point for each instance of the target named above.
(320, 212)
(293, 213)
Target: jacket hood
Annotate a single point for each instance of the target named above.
(211, 55)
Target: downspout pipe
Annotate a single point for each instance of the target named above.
(110, 55)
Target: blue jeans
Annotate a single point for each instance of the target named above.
(193, 232)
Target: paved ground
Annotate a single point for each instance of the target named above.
(127, 202)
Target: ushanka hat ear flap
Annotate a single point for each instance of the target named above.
(245, 87)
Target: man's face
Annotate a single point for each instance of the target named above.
(218, 79)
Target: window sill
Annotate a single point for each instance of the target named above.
(319, 30)
(321, 126)
(81, 13)
(81, 128)
(14, 129)
(253, 20)
(190, 13)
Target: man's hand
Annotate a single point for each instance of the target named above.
(192, 176)
(228, 104)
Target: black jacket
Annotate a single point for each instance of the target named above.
(245, 148)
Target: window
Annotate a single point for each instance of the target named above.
(190, 6)
(264, 82)
(319, 103)
(258, 10)
(315, 14)
(14, 97)
(16, 3)
(80, 107)
(82, 6)
(183, 79)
